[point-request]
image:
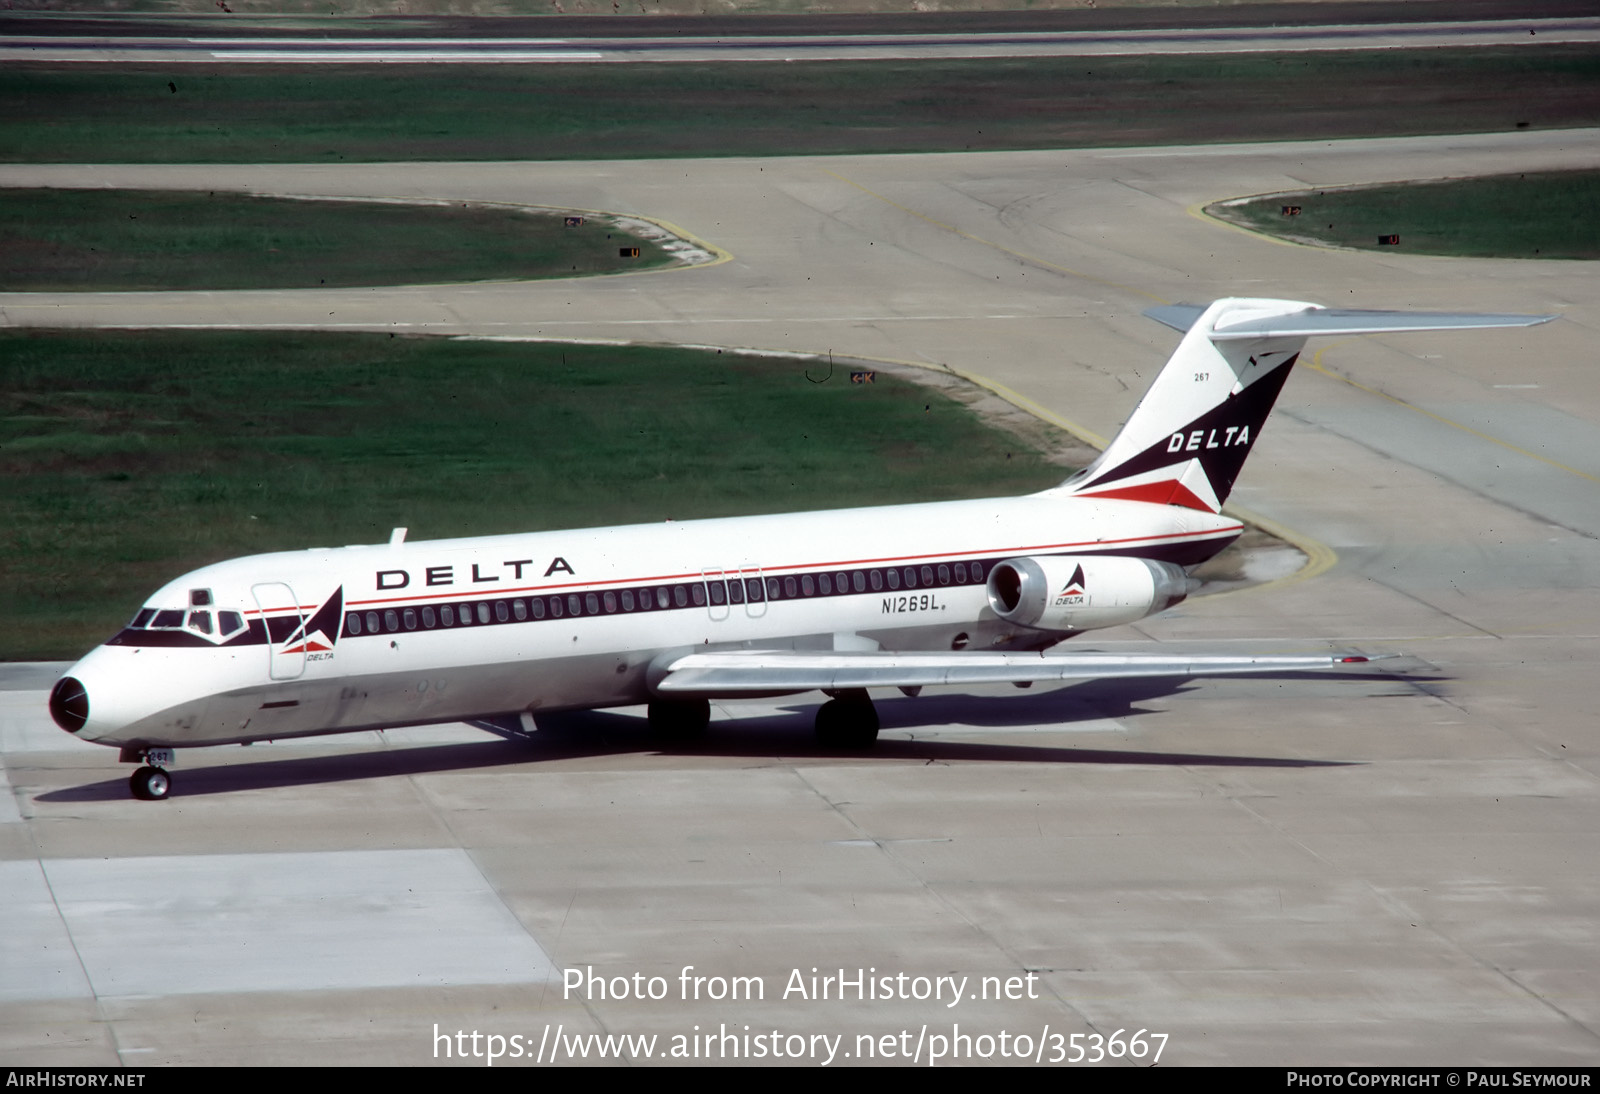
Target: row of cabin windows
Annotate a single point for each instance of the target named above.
(663, 597)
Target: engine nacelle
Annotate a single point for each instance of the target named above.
(1082, 592)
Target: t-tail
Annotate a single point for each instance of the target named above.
(1190, 434)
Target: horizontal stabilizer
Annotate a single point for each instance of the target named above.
(1312, 322)
(744, 672)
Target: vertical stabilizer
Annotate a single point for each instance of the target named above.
(1188, 438)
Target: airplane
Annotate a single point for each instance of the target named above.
(495, 629)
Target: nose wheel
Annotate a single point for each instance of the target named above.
(150, 784)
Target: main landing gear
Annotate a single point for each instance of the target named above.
(680, 719)
(152, 782)
(848, 720)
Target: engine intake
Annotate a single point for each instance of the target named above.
(1083, 592)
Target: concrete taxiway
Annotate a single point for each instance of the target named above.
(1377, 869)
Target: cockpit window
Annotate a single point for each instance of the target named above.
(199, 598)
(144, 616)
(200, 621)
(172, 617)
(228, 622)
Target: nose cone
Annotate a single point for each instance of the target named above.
(69, 704)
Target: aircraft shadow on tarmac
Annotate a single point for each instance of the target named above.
(784, 734)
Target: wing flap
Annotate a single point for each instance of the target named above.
(747, 672)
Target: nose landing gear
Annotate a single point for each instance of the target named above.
(152, 782)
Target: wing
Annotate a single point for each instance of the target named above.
(753, 672)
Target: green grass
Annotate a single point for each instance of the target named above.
(152, 239)
(1550, 215)
(244, 114)
(127, 459)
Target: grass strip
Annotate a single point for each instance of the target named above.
(187, 114)
(153, 239)
(1541, 215)
(127, 458)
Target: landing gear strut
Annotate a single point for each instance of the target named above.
(848, 720)
(150, 784)
(680, 720)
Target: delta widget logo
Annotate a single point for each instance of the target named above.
(319, 633)
(1074, 594)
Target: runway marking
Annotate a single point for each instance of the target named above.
(778, 48)
(1316, 366)
(1022, 255)
(1320, 558)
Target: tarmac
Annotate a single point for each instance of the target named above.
(1393, 868)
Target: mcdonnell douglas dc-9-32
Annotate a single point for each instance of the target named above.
(493, 629)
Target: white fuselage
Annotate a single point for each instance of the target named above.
(560, 620)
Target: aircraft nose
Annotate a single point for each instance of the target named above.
(69, 704)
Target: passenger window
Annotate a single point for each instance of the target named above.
(574, 605)
(910, 577)
(860, 580)
(501, 612)
(372, 622)
(410, 619)
(447, 615)
(352, 622)
(807, 586)
(697, 593)
(391, 621)
(519, 609)
(825, 582)
(791, 588)
(627, 600)
(483, 612)
(719, 592)
(429, 619)
(927, 576)
(556, 609)
(735, 591)
(876, 579)
(977, 572)
(894, 578)
(944, 575)
(961, 573)
(591, 604)
(772, 588)
(680, 596)
(662, 597)
(610, 600)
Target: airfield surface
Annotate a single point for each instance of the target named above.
(1387, 868)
